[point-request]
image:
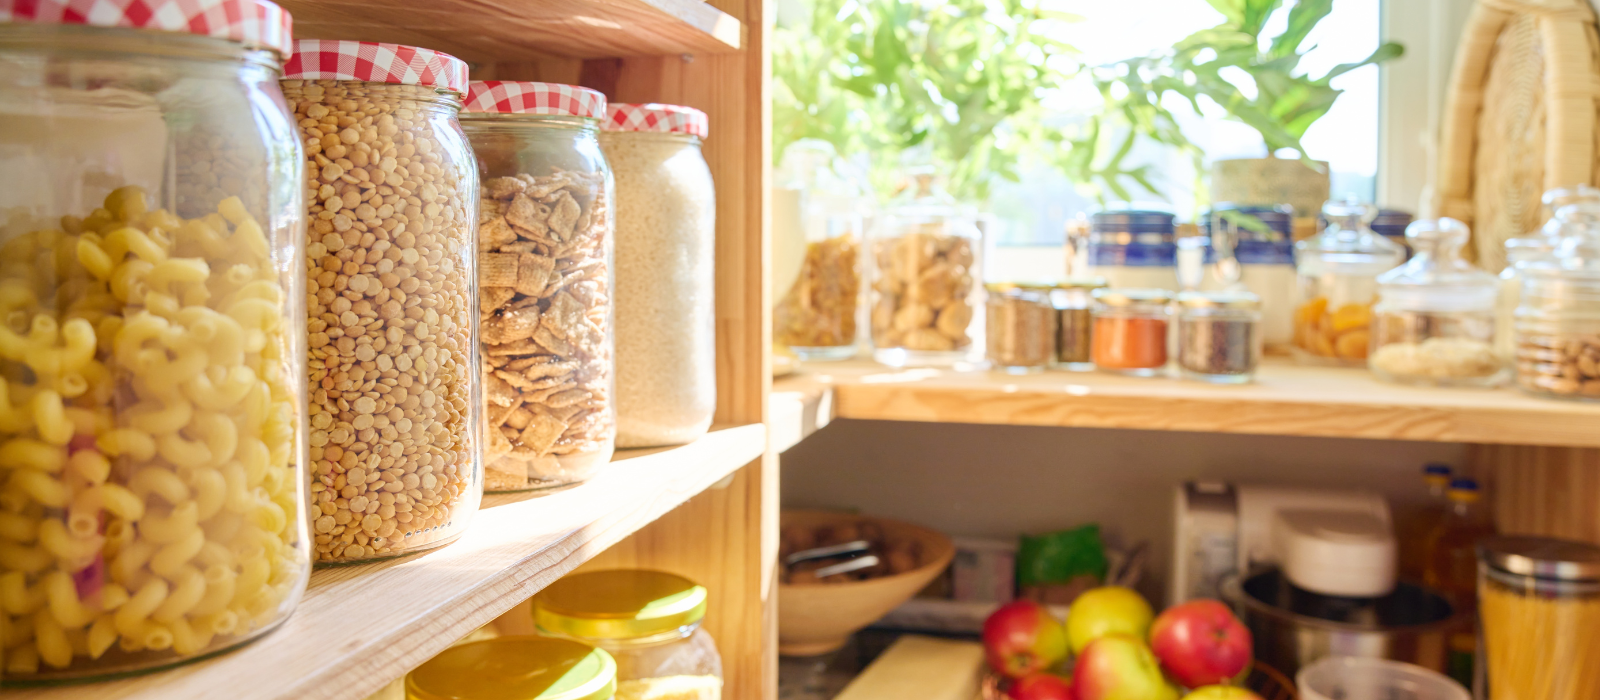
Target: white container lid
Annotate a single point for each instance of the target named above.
(1336, 553)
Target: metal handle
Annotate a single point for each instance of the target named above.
(828, 552)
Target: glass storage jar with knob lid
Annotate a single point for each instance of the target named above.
(1434, 320)
(152, 338)
(1558, 320)
(649, 621)
(926, 280)
(1538, 245)
(816, 252)
(1337, 272)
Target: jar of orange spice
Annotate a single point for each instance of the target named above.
(1130, 330)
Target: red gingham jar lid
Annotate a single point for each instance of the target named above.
(666, 119)
(513, 97)
(254, 23)
(329, 59)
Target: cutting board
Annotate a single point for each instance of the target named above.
(921, 668)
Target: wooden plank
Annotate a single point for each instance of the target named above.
(361, 626)
(507, 30)
(796, 411)
(1286, 400)
(1546, 491)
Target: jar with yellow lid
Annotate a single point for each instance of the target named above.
(516, 668)
(650, 623)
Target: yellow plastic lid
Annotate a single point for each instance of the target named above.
(516, 668)
(619, 604)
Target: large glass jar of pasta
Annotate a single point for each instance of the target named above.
(1539, 605)
(392, 192)
(666, 249)
(1337, 273)
(650, 623)
(927, 276)
(818, 222)
(1558, 321)
(1434, 320)
(544, 283)
(152, 366)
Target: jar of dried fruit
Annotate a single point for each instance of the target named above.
(392, 192)
(1434, 320)
(1558, 322)
(152, 370)
(544, 282)
(666, 250)
(1337, 274)
(816, 255)
(926, 280)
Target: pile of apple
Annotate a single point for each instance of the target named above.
(1119, 652)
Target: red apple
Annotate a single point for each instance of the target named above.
(1041, 686)
(1021, 638)
(1201, 643)
(1120, 667)
(1106, 610)
(1221, 692)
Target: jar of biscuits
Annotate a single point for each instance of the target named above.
(1337, 283)
(1558, 320)
(391, 191)
(1434, 320)
(152, 361)
(545, 281)
(927, 275)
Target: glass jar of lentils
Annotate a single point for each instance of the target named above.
(392, 194)
(1219, 336)
(1022, 327)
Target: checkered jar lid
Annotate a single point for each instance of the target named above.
(328, 59)
(254, 23)
(512, 97)
(666, 119)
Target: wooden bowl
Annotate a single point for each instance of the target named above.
(818, 618)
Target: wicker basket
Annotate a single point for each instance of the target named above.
(1520, 117)
(1263, 680)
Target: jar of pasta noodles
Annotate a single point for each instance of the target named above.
(1539, 606)
(152, 363)
(391, 193)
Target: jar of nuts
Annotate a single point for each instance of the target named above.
(1337, 282)
(926, 281)
(1434, 320)
(152, 372)
(1558, 321)
(544, 283)
(391, 188)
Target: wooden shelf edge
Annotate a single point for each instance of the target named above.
(795, 412)
(359, 627)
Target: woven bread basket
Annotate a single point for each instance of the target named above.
(1519, 119)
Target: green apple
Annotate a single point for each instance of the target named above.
(1107, 610)
(1221, 692)
(1120, 667)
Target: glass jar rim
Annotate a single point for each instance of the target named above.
(92, 39)
(661, 135)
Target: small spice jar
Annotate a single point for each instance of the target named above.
(515, 668)
(1022, 327)
(649, 621)
(1539, 607)
(1219, 336)
(1073, 300)
(1130, 330)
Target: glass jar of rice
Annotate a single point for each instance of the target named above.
(666, 244)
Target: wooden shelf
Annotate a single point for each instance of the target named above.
(510, 30)
(1285, 400)
(361, 626)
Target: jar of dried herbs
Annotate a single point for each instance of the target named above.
(1022, 334)
(1073, 301)
(1219, 336)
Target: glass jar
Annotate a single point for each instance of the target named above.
(1539, 605)
(1021, 328)
(1074, 301)
(1558, 321)
(544, 283)
(1434, 320)
(927, 261)
(816, 256)
(152, 366)
(666, 249)
(1252, 248)
(648, 620)
(1338, 282)
(1219, 336)
(1130, 330)
(391, 188)
(1391, 224)
(520, 668)
(1572, 212)
(1133, 249)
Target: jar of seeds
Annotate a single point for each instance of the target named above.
(1219, 336)
(1022, 327)
(1073, 300)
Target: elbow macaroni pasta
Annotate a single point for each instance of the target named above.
(150, 484)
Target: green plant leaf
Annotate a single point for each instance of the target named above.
(1303, 17)
(1386, 52)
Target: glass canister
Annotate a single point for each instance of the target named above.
(1558, 321)
(818, 266)
(1252, 248)
(1132, 248)
(1338, 282)
(648, 620)
(1021, 328)
(1219, 336)
(1391, 224)
(1130, 330)
(151, 342)
(1579, 212)
(1539, 607)
(392, 194)
(666, 247)
(1074, 303)
(515, 668)
(1434, 320)
(544, 282)
(927, 266)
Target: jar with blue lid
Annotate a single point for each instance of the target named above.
(1133, 248)
(1391, 224)
(1252, 248)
